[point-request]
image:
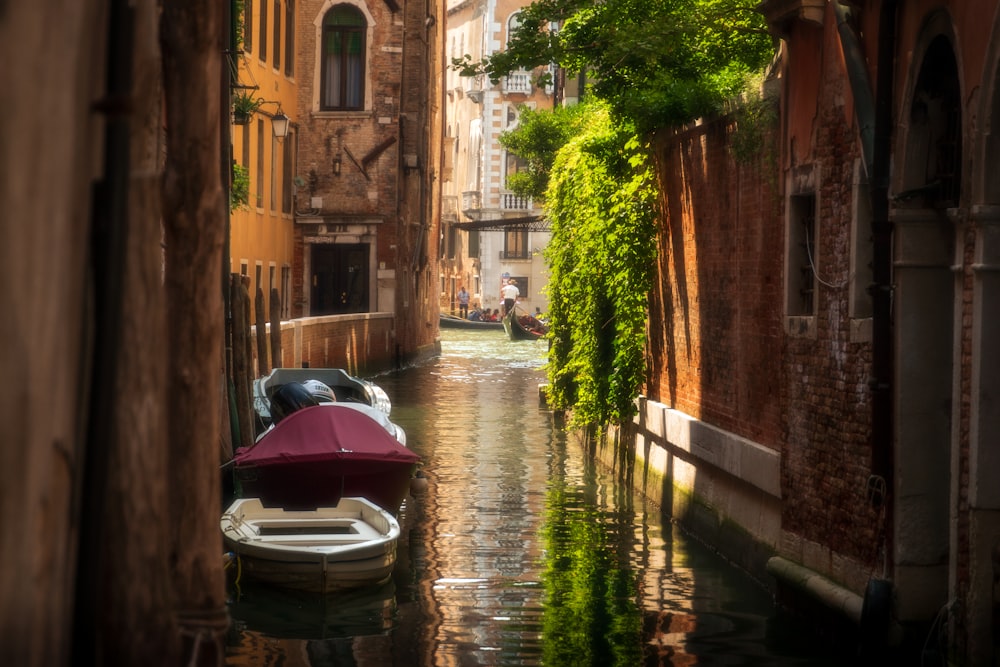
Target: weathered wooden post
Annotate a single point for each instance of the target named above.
(194, 221)
(261, 336)
(241, 360)
(247, 343)
(275, 328)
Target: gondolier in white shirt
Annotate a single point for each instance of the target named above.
(509, 292)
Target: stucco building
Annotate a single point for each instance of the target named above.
(488, 234)
(263, 65)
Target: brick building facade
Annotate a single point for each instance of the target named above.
(369, 161)
(826, 317)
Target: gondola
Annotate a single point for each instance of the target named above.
(522, 326)
(453, 322)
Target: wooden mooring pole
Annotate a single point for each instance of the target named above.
(260, 323)
(275, 329)
(240, 300)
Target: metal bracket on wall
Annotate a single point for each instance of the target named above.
(369, 157)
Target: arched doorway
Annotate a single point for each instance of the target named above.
(925, 311)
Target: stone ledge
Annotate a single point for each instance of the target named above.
(742, 458)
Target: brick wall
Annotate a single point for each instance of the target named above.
(718, 343)
(714, 322)
(827, 455)
(362, 344)
(325, 135)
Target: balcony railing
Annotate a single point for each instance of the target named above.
(515, 254)
(471, 200)
(512, 202)
(517, 82)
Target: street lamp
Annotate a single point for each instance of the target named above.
(279, 123)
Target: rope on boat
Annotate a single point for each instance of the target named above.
(232, 557)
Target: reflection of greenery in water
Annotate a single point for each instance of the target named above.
(591, 613)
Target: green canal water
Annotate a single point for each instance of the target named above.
(520, 551)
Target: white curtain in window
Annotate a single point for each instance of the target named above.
(354, 72)
(346, 69)
(331, 83)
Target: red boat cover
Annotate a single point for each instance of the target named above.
(324, 433)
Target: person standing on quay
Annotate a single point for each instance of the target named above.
(509, 292)
(463, 302)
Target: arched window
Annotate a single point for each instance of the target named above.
(512, 22)
(343, 67)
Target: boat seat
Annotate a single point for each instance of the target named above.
(333, 530)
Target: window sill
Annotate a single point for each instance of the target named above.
(360, 113)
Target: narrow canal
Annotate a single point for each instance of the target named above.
(520, 551)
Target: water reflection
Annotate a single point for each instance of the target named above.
(473, 415)
(520, 551)
(298, 615)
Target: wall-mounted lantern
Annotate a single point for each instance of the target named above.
(279, 124)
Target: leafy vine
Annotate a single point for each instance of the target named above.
(600, 206)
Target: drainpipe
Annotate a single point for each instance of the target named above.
(874, 114)
(883, 430)
(813, 586)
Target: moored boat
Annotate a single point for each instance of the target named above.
(523, 327)
(346, 388)
(316, 455)
(323, 550)
(453, 322)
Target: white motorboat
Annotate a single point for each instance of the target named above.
(323, 550)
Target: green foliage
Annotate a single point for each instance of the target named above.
(756, 119)
(238, 8)
(245, 103)
(658, 63)
(601, 258)
(239, 188)
(591, 616)
(652, 64)
(537, 138)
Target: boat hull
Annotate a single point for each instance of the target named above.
(325, 550)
